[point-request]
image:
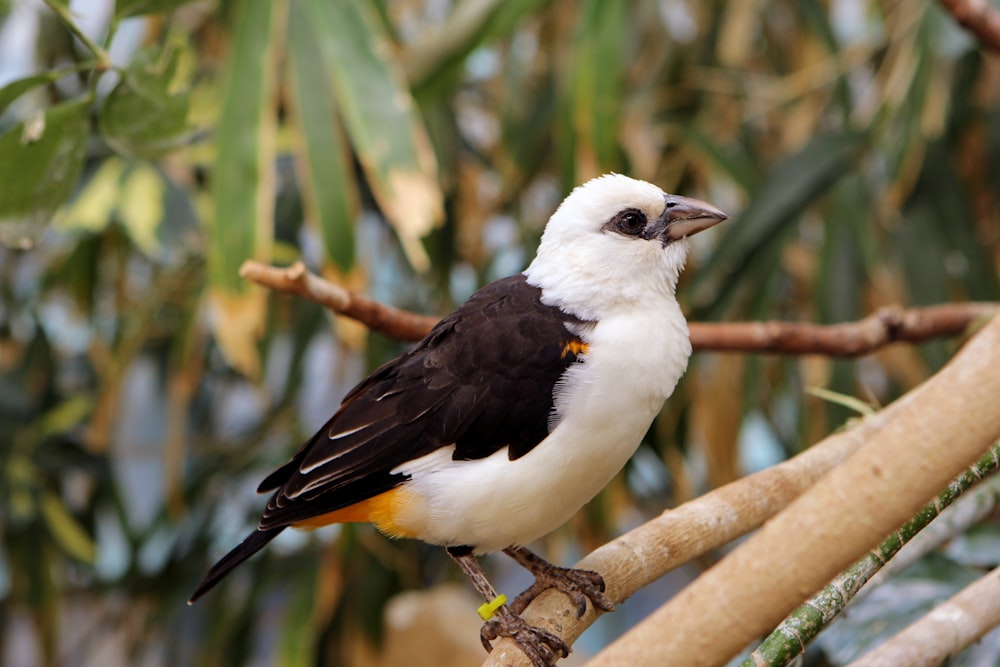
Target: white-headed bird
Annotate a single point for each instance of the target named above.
(516, 409)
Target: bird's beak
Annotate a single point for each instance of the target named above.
(685, 216)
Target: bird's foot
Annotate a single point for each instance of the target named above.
(579, 585)
(542, 647)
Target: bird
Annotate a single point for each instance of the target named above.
(515, 410)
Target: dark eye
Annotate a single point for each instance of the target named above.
(630, 221)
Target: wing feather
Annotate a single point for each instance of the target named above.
(481, 380)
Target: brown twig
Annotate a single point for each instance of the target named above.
(296, 279)
(978, 17)
(888, 325)
(850, 339)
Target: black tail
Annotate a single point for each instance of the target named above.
(253, 543)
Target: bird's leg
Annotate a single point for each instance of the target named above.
(542, 647)
(579, 585)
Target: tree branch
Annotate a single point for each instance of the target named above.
(850, 339)
(789, 639)
(928, 437)
(978, 17)
(888, 325)
(296, 279)
(945, 631)
(644, 554)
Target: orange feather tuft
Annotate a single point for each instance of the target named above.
(381, 510)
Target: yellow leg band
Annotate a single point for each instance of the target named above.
(487, 609)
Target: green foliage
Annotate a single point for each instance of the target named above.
(380, 117)
(243, 185)
(329, 185)
(145, 387)
(15, 89)
(143, 116)
(42, 160)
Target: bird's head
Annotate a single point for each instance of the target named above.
(616, 242)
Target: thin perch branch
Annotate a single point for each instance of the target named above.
(851, 339)
(296, 279)
(978, 17)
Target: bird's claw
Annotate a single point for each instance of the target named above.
(540, 645)
(579, 585)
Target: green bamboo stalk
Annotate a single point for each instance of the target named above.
(791, 637)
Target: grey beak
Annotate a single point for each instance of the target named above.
(685, 216)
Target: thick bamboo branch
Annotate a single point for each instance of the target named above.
(945, 631)
(978, 17)
(886, 326)
(646, 553)
(928, 437)
(798, 630)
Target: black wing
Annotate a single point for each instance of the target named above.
(482, 380)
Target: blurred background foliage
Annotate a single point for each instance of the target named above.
(413, 149)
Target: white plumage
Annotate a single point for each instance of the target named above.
(636, 352)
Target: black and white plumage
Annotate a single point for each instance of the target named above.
(520, 405)
(482, 381)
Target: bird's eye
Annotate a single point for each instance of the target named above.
(630, 221)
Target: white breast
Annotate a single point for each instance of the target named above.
(604, 407)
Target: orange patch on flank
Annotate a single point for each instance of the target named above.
(381, 510)
(574, 347)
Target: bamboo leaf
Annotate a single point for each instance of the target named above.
(599, 51)
(91, 210)
(141, 207)
(845, 400)
(42, 161)
(145, 115)
(66, 415)
(960, 249)
(243, 180)
(65, 529)
(243, 187)
(730, 160)
(785, 192)
(381, 119)
(840, 280)
(20, 478)
(15, 89)
(839, 283)
(323, 157)
(471, 24)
